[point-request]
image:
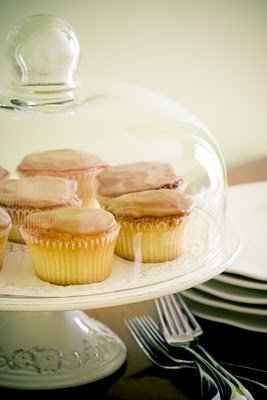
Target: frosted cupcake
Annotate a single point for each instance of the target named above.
(21, 197)
(152, 224)
(5, 225)
(71, 246)
(121, 179)
(4, 174)
(66, 163)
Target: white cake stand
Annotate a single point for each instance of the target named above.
(45, 343)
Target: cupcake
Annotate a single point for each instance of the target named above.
(118, 180)
(4, 174)
(21, 197)
(71, 246)
(152, 224)
(5, 225)
(66, 163)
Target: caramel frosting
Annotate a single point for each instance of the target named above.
(3, 173)
(5, 219)
(59, 160)
(39, 192)
(151, 203)
(135, 177)
(74, 221)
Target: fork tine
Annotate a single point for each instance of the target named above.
(176, 310)
(147, 341)
(154, 331)
(148, 334)
(154, 328)
(168, 310)
(143, 337)
(197, 328)
(143, 344)
(164, 316)
(168, 323)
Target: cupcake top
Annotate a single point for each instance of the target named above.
(74, 221)
(136, 177)
(39, 192)
(151, 203)
(5, 219)
(59, 160)
(3, 173)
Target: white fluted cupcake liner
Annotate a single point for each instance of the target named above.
(17, 216)
(3, 239)
(72, 262)
(151, 242)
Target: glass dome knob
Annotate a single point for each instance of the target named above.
(43, 50)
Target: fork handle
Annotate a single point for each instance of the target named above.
(257, 375)
(222, 371)
(227, 383)
(209, 389)
(218, 366)
(236, 373)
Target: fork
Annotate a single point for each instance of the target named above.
(225, 387)
(180, 328)
(159, 355)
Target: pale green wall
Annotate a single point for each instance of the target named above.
(209, 55)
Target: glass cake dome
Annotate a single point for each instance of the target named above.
(44, 107)
(171, 223)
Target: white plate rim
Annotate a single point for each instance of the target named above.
(243, 281)
(233, 318)
(195, 295)
(227, 292)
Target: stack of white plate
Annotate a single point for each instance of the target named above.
(239, 295)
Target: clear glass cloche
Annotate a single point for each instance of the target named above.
(45, 107)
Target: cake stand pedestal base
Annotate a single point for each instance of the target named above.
(51, 350)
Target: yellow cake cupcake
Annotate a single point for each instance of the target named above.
(152, 224)
(5, 225)
(71, 246)
(117, 180)
(21, 197)
(66, 163)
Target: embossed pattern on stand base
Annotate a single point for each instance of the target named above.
(70, 349)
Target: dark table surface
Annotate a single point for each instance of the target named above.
(138, 378)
